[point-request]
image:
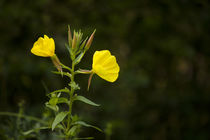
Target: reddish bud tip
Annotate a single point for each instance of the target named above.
(89, 80)
(89, 42)
(74, 41)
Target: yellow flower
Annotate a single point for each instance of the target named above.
(105, 65)
(44, 47)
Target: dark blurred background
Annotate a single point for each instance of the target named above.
(162, 48)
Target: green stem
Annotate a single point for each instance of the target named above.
(65, 67)
(22, 116)
(71, 98)
(70, 111)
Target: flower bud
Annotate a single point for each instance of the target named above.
(74, 41)
(89, 42)
(89, 80)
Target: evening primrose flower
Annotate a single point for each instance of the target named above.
(44, 47)
(105, 65)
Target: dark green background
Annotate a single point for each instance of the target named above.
(162, 47)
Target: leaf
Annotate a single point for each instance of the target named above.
(60, 126)
(87, 125)
(82, 45)
(66, 90)
(53, 101)
(74, 85)
(74, 118)
(68, 48)
(85, 100)
(59, 94)
(72, 131)
(66, 67)
(63, 73)
(34, 130)
(87, 138)
(79, 58)
(53, 107)
(59, 118)
(63, 100)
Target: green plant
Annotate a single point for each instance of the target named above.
(104, 64)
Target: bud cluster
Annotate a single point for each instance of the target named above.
(77, 46)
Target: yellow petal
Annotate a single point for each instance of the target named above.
(110, 65)
(100, 56)
(46, 37)
(44, 47)
(105, 65)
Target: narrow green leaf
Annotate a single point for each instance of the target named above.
(85, 100)
(60, 126)
(59, 118)
(79, 58)
(87, 125)
(63, 73)
(72, 131)
(68, 48)
(87, 138)
(65, 67)
(82, 46)
(74, 118)
(66, 90)
(34, 130)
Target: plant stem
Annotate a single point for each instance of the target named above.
(65, 67)
(71, 97)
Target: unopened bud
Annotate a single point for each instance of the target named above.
(89, 42)
(74, 41)
(89, 80)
